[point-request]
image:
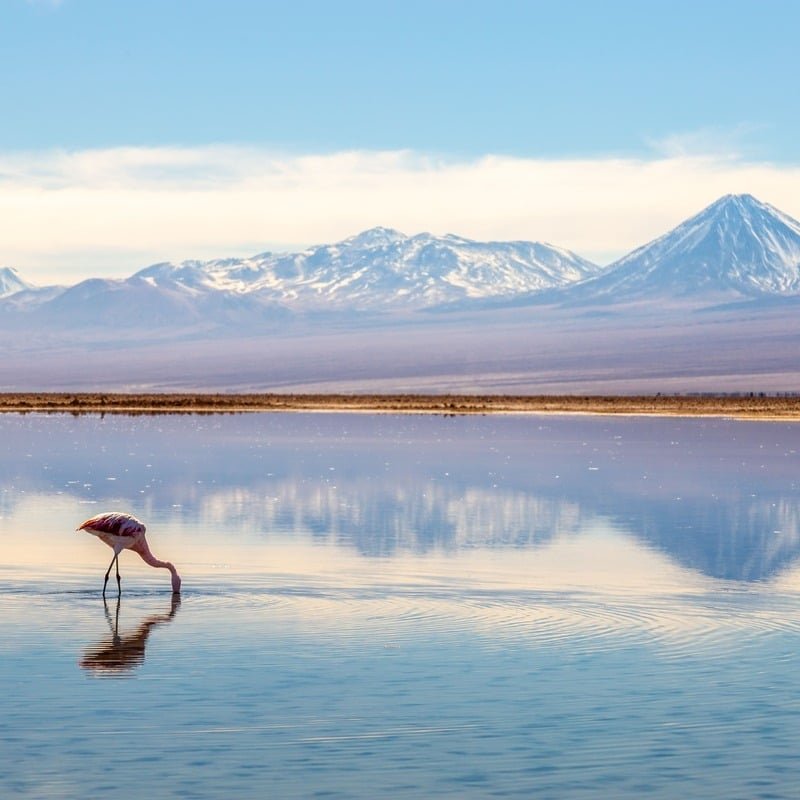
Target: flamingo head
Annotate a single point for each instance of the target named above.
(176, 581)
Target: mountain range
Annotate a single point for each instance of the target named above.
(709, 306)
(378, 271)
(738, 248)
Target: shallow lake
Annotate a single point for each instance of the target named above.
(402, 606)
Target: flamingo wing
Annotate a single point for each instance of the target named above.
(113, 522)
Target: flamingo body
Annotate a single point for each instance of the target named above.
(120, 532)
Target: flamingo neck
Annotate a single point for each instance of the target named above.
(149, 558)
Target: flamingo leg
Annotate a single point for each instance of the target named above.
(108, 572)
(119, 584)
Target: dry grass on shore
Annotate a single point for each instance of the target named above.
(745, 406)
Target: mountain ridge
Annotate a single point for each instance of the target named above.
(12, 282)
(377, 271)
(736, 249)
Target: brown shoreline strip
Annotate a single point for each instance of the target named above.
(745, 406)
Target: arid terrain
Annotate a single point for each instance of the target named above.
(747, 406)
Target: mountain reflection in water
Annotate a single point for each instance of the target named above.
(715, 496)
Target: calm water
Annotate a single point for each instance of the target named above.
(386, 606)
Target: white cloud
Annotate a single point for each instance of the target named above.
(70, 214)
(732, 143)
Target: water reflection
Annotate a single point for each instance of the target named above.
(379, 517)
(717, 497)
(121, 653)
(745, 539)
(571, 600)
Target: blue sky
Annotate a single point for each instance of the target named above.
(202, 90)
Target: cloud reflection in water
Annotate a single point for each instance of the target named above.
(714, 496)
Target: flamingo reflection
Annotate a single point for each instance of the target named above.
(123, 652)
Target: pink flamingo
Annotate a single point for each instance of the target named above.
(124, 532)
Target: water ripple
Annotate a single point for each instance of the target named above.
(714, 621)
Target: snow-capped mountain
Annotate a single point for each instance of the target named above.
(736, 247)
(11, 282)
(380, 269)
(346, 317)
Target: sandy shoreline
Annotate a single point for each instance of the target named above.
(745, 407)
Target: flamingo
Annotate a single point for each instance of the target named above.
(120, 532)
